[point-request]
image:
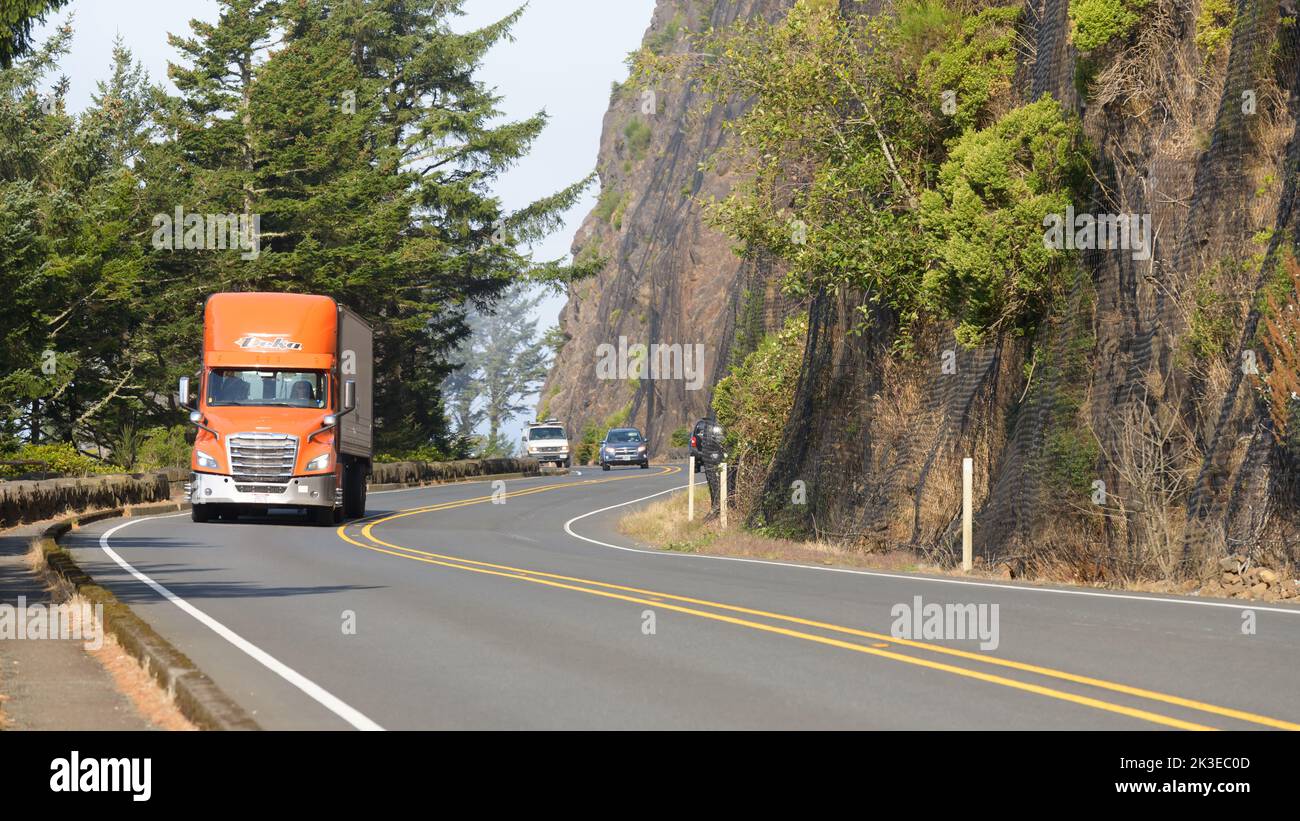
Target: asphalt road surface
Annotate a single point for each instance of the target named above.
(445, 609)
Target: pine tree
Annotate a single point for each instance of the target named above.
(71, 260)
(501, 362)
(359, 134)
(16, 20)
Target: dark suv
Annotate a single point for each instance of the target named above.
(706, 443)
(623, 446)
(697, 443)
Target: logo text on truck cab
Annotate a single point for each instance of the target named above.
(268, 342)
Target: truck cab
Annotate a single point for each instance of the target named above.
(547, 442)
(283, 410)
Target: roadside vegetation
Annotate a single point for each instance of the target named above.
(752, 402)
(662, 525)
(894, 171)
(929, 200)
(315, 118)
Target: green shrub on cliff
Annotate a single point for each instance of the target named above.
(974, 66)
(848, 178)
(637, 134)
(1095, 23)
(752, 402)
(1214, 24)
(991, 270)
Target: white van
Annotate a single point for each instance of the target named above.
(547, 442)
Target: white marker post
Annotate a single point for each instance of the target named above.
(967, 514)
(690, 489)
(722, 508)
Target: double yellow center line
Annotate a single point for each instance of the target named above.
(736, 615)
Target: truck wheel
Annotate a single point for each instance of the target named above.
(200, 513)
(354, 492)
(645, 465)
(565, 464)
(604, 466)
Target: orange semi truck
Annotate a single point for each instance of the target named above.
(284, 411)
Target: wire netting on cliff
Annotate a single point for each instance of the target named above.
(1144, 427)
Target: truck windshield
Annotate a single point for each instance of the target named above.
(546, 433)
(296, 389)
(622, 435)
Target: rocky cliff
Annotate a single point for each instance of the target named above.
(1142, 429)
(669, 280)
(1135, 434)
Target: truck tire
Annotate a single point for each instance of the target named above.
(645, 465)
(604, 466)
(200, 513)
(354, 492)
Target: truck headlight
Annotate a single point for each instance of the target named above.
(204, 460)
(319, 463)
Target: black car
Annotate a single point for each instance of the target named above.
(624, 446)
(697, 443)
(706, 443)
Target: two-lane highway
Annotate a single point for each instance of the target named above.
(461, 606)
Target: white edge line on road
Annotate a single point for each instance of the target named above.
(326, 699)
(883, 575)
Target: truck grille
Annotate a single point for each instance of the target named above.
(262, 457)
(625, 452)
(260, 488)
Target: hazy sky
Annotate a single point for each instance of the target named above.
(563, 58)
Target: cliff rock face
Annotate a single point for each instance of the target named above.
(1153, 382)
(669, 280)
(1146, 384)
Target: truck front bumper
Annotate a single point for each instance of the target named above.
(298, 491)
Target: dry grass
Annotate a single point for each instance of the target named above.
(663, 525)
(154, 704)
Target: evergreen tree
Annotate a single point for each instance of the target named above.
(358, 133)
(16, 19)
(501, 362)
(71, 258)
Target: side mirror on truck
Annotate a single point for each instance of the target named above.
(184, 391)
(332, 419)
